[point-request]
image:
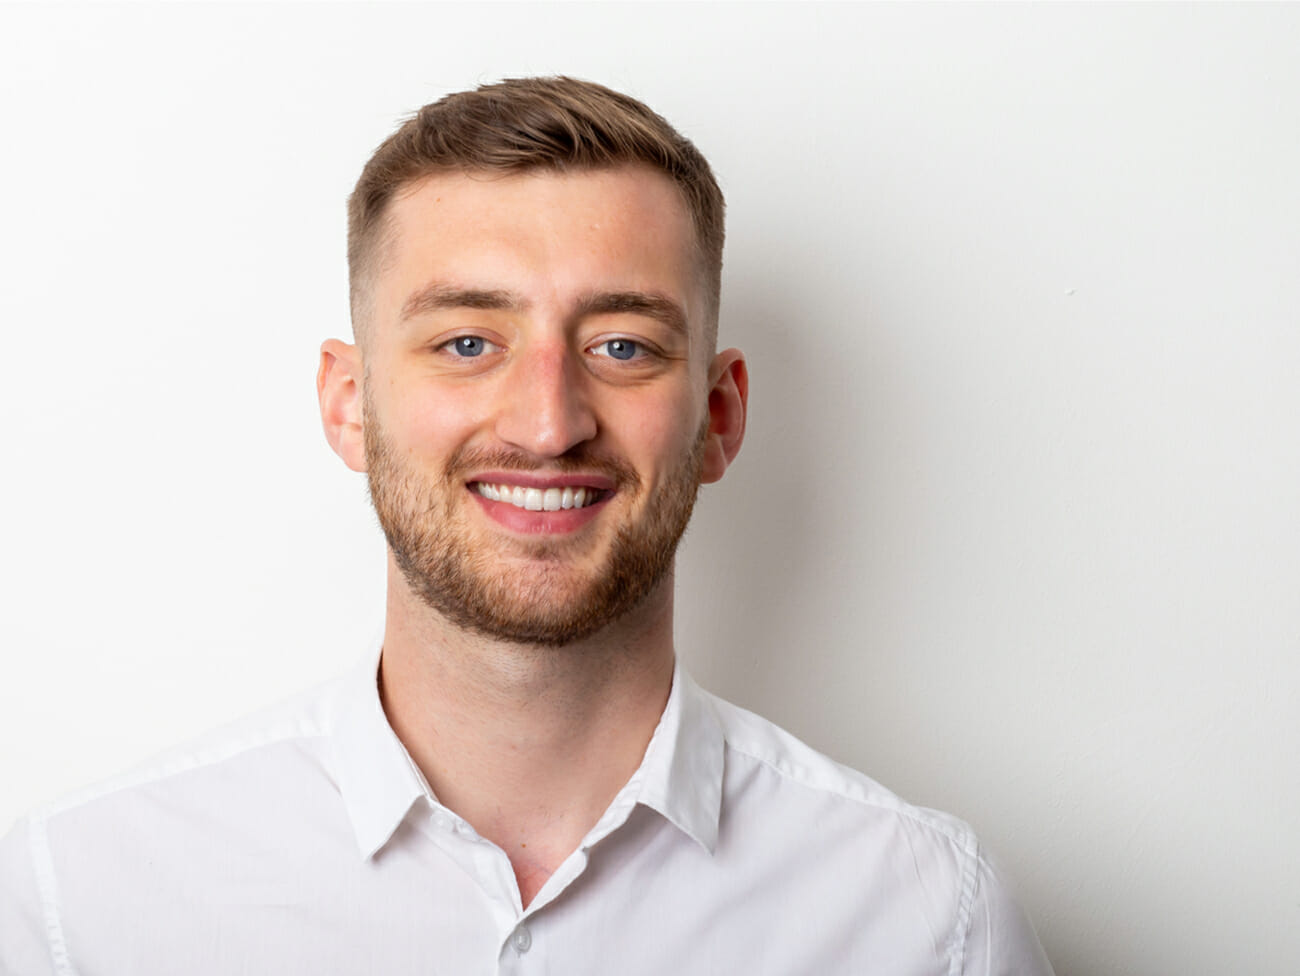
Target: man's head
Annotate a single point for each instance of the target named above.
(548, 124)
(534, 393)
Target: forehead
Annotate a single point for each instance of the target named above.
(551, 237)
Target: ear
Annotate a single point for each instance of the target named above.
(338, 387)
(728, 400)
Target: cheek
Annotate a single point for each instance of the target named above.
(656, 436)
(431, 421)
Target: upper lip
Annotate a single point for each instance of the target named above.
(538, 479)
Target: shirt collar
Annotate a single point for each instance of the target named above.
(375, 775)
(680, 776)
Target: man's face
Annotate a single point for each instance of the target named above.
(536, 396)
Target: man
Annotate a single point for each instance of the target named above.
(523, 781)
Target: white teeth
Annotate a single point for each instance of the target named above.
(537, 499)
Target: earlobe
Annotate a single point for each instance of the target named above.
(728, 402)
(338, 388)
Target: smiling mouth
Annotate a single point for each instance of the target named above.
(540, 499)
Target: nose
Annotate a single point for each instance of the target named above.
(545, 409)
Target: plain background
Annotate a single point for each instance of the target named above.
(1015, 528)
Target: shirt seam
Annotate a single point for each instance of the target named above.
(181, 762)
(963, 842)
(959, 839)
(965, 911)
(48, 889)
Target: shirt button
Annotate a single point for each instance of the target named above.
(442, 821)
(522, 940)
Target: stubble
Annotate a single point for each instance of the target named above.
(550, 601)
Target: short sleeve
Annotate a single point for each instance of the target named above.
(24, 950)
(1000, 939)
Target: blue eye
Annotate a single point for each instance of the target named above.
(621, 348)
(469, 346)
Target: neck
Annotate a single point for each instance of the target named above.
(528, 744)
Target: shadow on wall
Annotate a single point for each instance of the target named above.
(793, 575)
(753, 572)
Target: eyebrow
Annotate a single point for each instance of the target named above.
(440, 296)
(649, 304)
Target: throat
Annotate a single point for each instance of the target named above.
(531, 874)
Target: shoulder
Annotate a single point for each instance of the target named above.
(126, 833)
(814, 779)
(298, 721)
(230, 774)
(211, 808)
(902, 878)
(24, 913)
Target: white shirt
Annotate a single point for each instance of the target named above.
(304, 841)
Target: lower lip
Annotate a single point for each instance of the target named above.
(523, 521)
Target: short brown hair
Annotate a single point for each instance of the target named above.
(534, 123)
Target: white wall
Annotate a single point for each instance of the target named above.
(1015, 529)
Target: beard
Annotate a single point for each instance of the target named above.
(550, 602)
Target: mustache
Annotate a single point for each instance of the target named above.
(580, 459)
